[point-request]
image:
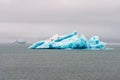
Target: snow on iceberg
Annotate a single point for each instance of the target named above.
(70, 41)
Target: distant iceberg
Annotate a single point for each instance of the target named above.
(70, 41)
(20, 41)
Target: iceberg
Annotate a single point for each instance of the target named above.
(19, 41)
(70, 41)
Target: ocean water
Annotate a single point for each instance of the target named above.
(17, 62)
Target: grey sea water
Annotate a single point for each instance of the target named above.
(17, 62)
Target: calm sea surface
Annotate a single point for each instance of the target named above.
(17, 62)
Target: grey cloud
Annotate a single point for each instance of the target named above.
(55, 10)
(34, 19)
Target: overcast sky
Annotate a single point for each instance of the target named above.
(35, 19)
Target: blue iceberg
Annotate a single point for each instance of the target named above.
(70, 41)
